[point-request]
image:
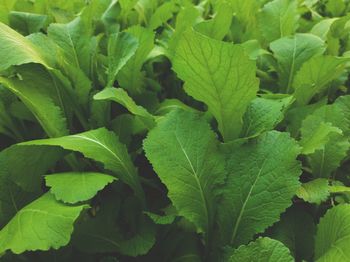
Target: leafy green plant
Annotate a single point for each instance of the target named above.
(174, 130)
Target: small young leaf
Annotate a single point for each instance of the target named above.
(73, 187)
(315, 191)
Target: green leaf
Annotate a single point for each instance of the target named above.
(121, 97)
(315, 75)
(162, 15)
(315, 134)
(184, 153)
(333, 232)
(16, 49)
(278, 18)
(219, 74)
(291, 53)
(262, 250)
(296, 229)
(219, 25)
(315, 191)
(73, 187)
(35, 88)
(41, 225)
(130, 76)
(264, 114)
(263, 178)
(103, 146)
(121, 47)
(161, 220)
(27, 23)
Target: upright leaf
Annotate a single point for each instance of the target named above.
(278, 18)
(219, 74)
(314, 191)
(121, 47)
(291, 53)
(103, 146)
(333, 233)
(41, 225)
(184, 153)
(263, 178)
(130, 77)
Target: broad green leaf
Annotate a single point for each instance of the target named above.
(262, 250)
(130, 76)
(264, 114)
(315, 191)
(16, 49)
(103, 146)
(121, 97)
(184, 153)
(27, 23)
(171, 104)
(291, 53)
(73, 187)
(263, 179)
(279, 18)
(73, 40)
(315, 75)
(219, 74)
(315, 134)
(219, 25)
(25, 166)
(5, 7)
(121, 47)
(296, 229)
(322, 28)
(333, 233)
(41, 225)
(35, 88)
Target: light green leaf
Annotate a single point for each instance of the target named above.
(121, 47)
(263, 178)
(130, 76)
(103, 146)
(73, 187)
(291, 53)
(41, 225)
(16, 49)
(333, 233)
(184, 153)
(219, 25)
(315, 191)
(121, 97)
(263, 249)
(315, 75)
(264, 114)
(219, 74)
(278, 18)
(162, 14)
(322, 28)
(315, 134)
(161, 220)
(35, 88)
(5, 7)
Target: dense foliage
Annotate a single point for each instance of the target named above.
(174, 130)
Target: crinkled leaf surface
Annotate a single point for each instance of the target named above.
(73, 187)
(314, 191)
(218, 74)
(184, 153)
(262, 250)
(262, 180)
(41, 225)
